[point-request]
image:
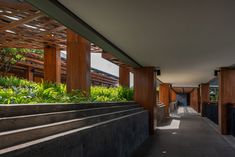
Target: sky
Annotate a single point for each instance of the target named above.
(99, 63)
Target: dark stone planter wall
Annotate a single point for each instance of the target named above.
(210, 110)
(159, 113)
(231, 119)
(24, 109)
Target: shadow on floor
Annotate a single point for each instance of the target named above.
(185, 134)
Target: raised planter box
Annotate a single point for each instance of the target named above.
(159, 113)
(231, 119)
(210, 110)
(7, 110)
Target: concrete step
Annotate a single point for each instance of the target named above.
(24, 121)
(15, 137)
(117, 137)
(28, 109)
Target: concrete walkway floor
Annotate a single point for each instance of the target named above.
(186, 134)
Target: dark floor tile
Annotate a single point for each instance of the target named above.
(194, 138)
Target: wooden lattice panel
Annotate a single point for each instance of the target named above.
(22, 26)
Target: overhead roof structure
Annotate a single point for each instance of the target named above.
(23, 26)
(186, 39)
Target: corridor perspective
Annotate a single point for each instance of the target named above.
(117, 78)
(187, 134)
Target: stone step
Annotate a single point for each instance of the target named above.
(121, 135)
(12, 138)
(28, 109)
(19, 122)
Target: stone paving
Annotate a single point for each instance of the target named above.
(187, 134)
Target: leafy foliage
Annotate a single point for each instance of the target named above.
(14, 90)
(214, 94)
(37, 51)
(10, 56)
(14, 81)
(103, 94)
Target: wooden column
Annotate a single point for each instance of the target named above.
(78, 63)
(29, 74)
(226, 95)
(124, 76)
(204, 95)
(164, 96)
(194, 103)
(145, 91)
(52, 64)
(172, 95)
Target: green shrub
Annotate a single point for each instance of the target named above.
(14, 81)
(14, 90)
(104, 94)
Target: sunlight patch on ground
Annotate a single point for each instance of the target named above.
(175, 124)
(183, 111)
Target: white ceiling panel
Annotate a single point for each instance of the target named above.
(187, 39)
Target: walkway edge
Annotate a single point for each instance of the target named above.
(228, 138)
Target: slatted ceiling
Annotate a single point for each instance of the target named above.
(23, 26)
(15, 3)
(36, 61)
(29, 28)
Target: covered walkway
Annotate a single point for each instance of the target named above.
(187, 134)
(173, 49)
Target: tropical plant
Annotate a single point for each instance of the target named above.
(103, 94)
(10, 56)
(15, 90)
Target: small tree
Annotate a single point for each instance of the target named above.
(10, 56)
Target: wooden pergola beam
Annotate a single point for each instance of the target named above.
(59, 28)
(65, 17)
(20, 6)
(21, 21)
